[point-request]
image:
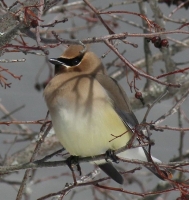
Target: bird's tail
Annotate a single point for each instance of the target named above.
(154, 169)
(111, 171)
(142, 154)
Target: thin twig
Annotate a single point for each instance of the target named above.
(173, 109)
(134, 69)
(43, 134)
(152, 105)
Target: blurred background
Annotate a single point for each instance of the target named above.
(24, 99)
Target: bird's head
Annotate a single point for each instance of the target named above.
(76, 58)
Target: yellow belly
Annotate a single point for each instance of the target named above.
(88, 133)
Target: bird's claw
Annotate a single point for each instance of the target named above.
(110, 154)
(74, 160)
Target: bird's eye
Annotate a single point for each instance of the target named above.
(76, 61)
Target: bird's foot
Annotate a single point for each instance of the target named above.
(74, 161)
(110, 154)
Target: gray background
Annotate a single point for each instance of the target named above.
(23, 93)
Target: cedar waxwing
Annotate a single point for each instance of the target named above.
(88, 109)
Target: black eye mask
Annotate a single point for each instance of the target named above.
(67, 62)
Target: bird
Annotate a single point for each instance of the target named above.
(91, 113)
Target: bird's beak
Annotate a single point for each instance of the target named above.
(55, 61)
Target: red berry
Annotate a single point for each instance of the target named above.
(164, 43)
(157, 44)
(138, 95)
(156, 39)
(34, 23)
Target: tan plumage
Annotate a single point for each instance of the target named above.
(88, 108)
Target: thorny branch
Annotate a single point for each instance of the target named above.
(3, 80)
(23, 19)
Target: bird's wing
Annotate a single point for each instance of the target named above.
(122, 107)
(119, 99)
(124, 110)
